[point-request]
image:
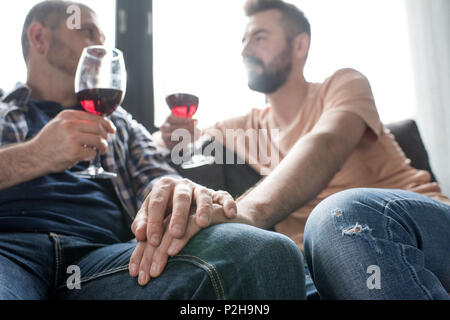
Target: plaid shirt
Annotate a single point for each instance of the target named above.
(132, 154)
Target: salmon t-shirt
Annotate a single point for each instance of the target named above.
(376, 162)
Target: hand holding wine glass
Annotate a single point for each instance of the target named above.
(185, 105)
(59, 144)
(173, 123)
(100, 85)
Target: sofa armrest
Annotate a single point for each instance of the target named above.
(407, 135)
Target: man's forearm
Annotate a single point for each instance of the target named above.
(301, 176)
(19, 163)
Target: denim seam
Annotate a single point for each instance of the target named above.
(125, 267)
(213, 268)
(434, 203)
(204, 267)
(402, 249)
(57, 247)
(388, 225)
(99, 274)
(11, 292)
(413, 273)
(388, 207)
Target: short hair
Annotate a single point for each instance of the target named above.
(294, 20)
(49, 13)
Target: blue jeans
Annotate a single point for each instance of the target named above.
(379, 244)
(227, 261)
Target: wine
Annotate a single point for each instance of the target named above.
(100, 101)
(183, 105)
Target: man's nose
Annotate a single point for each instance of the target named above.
(99, 40)
(246, 47)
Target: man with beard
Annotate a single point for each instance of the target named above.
(381, 230)
(67, 237)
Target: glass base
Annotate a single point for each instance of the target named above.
(95, 173)
(197, 161)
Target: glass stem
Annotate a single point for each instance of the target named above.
(97, 162)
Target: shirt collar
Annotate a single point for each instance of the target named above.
(20, 95)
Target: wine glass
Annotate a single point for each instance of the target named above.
(185, 105)
(100, 84)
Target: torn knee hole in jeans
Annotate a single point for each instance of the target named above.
(336, 213)
(356, 229)
(342, 224)
(365, 233)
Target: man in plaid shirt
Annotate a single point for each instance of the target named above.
(66, 237)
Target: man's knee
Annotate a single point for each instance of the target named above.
(341, 213)
(240, 240)
(253, 258)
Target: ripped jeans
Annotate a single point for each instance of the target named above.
(379, 244)
(226, 261)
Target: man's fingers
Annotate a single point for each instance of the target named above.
(169, 128)
(230, 208)
(92, 141)
(86, 153)
(182, 200)
(204, 203)
(226, 200)
(174, 120)
(142, 261)
(146, 262)
(176, 245)
(157, 205)
(174, 123)
(160, 256)
(93, 128)
(136, 258)
(82, 115)
(139, 225)
(167, 131)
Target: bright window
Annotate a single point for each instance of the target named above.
(197, 46)
(12, 17)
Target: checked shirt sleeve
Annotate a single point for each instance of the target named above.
(145, 163)
(13, 126)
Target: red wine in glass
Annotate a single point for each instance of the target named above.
(183, 105)
(100, 101)
(100, 84)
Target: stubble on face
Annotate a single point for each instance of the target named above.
(269, 78)
(62, 56)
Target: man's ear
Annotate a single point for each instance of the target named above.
(301, 45)
(38, 37)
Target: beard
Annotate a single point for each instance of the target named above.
(272, 76)
(62, 56)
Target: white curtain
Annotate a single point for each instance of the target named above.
(429, 26)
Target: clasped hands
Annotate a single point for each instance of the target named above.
(174, 211)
